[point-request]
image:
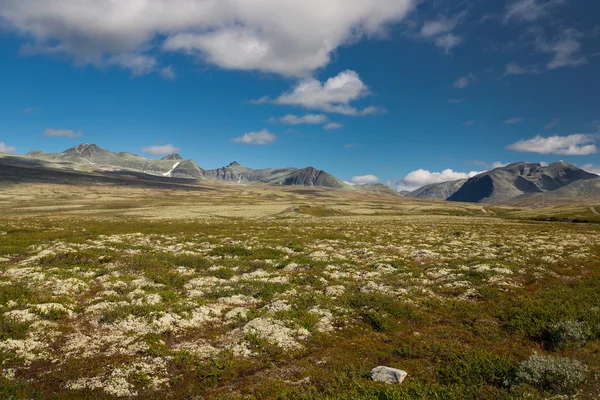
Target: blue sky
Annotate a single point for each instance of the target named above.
(396, 91)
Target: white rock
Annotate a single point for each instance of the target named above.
(388, 375)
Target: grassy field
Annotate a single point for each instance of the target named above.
(255, 292)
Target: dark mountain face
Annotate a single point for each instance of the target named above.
(474, 190)
(518, 179)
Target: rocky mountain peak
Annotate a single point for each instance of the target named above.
(84, 150)
(172, 157)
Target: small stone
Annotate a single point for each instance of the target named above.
(388, 375)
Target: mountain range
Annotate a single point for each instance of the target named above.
(518, 183)
(90, 157)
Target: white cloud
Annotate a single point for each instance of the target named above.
(333, 96)
(567, 50)
(291, 119)
(551, 124)
(438, 27)
(455, 101)
(168, 73)
(463, 81)
(448, 42)
(161, 150)
(4, 148)
(138, 64)
(364, 180)
(62, 133)
(292, 37)
(422, 177)
(530, 10)
(469, 123)
(333, 125)
(513, 121)
(493, 165)
(260, 138)
(440, 32)
(497, 164)
(572, 145)
(594, 169)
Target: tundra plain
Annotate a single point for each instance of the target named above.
(227, 291)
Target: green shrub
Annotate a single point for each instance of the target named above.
(379, 322)
(568, 333)
(477, 368)
(533, 313)
(10, 328)
(553, 374)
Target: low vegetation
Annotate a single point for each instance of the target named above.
(297, 303)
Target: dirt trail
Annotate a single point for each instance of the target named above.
(594, 211)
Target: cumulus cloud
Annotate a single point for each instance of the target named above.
(4, 148)
(422, 177)
(463, 81)
(259, 138)
(333, 125)
(292, 37)
(333, 96)
(530, 10)
(364, 180)
(62, 133)
(161, 150)
(572, 145)
(291, 119)
(594, 169)
(513, 121)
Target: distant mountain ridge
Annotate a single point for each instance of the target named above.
(514, 181)
(91, 156)
(437, 191)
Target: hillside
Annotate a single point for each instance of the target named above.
(514, 181)
(519, 179)
(437, 191)
(587, 190)
(92, 157)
